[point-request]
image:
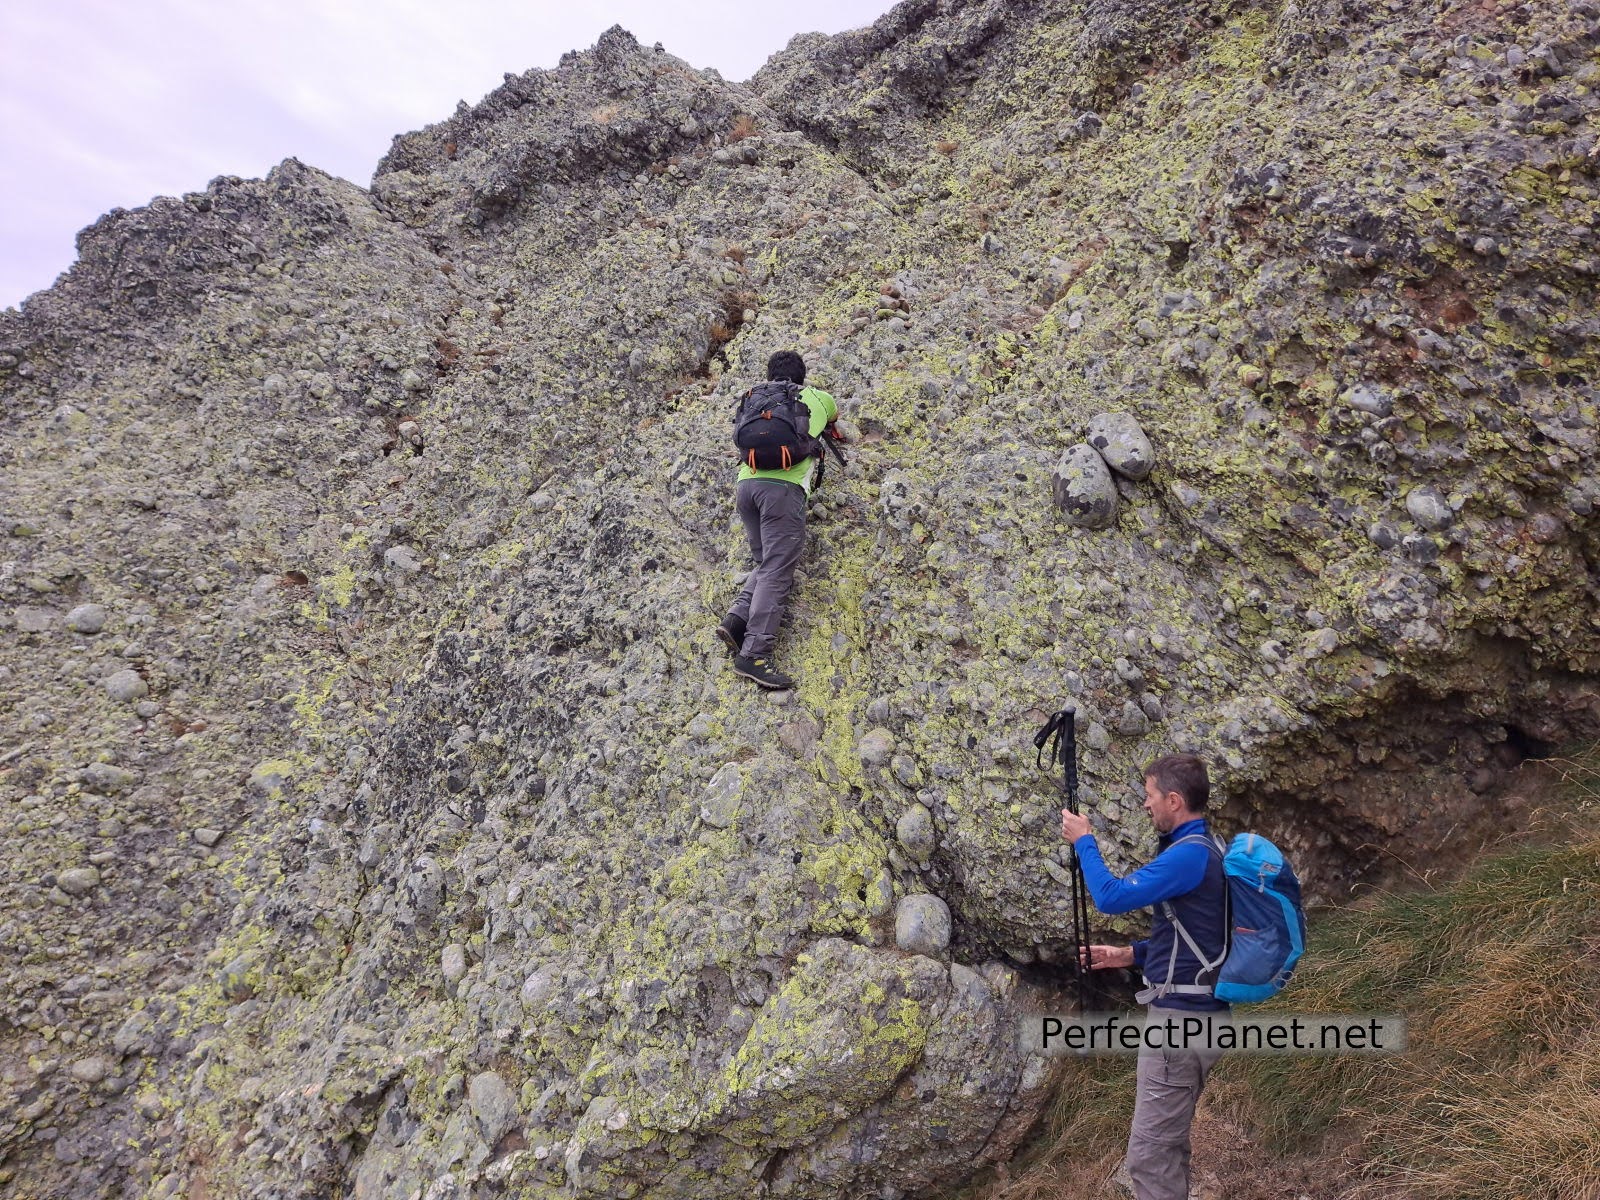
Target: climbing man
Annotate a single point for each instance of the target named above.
(1184, 885)
(779, 431)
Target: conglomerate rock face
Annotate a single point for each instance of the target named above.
(382, 817)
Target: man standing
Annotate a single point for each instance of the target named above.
(1188, 935)
(787, 421)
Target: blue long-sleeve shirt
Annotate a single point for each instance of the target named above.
(1175, 871)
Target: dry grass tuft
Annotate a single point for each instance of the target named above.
(744, 125)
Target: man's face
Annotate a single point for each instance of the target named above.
(1166, 811)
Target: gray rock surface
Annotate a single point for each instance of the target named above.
(30, 619)
(1429, 509)
(1323, 272)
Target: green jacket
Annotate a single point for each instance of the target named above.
(823, 410)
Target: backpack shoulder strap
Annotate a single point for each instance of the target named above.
(1210, 840)
(1207, 964)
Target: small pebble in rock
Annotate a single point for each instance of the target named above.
(1083, 488)
(454, 963)
(78, 881)
(876, 747)
(1132, 721)
(915, 832)
(723, 798)
(1320, 642)
(1369, 398)
(108, 779)
(402, 558)
(126, 685)
(493, 1104)
(922, 925)
(539, 987)
(1122, 443)
(1429, 509)
(89, 1070)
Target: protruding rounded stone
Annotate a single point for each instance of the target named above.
(539, 987)
(1429, 509)
(1123, 444)
(108, 779)
(1369, 398)
(126, 685)
(1319, 643)
(402, 558)
(493, 1103)
(453, 963)
(922, 925)
(1084, 489)
(876, 747)
(915, 832)
(90, 1070)
(78, 881)
(723, 798)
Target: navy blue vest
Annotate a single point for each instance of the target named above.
(1203, 913)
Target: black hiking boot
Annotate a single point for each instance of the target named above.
(731, 631)
(760, 670)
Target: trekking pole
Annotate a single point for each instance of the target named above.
(1058, 742)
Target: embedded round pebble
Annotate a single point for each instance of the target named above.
(1123, 444)
(922, 924)
(1084, 489)
(125, 686)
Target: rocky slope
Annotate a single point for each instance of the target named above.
(383, 819)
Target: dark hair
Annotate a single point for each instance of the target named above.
(787, 365)
(1184, 774)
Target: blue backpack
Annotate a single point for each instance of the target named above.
(1266, 923)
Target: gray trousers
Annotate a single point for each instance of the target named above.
(1168, 1083)
(774, 516)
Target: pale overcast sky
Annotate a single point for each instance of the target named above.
(108, 103)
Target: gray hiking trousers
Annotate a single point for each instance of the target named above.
(1168, 1083)
(774, 516)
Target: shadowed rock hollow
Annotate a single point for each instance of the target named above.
(382, 818)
